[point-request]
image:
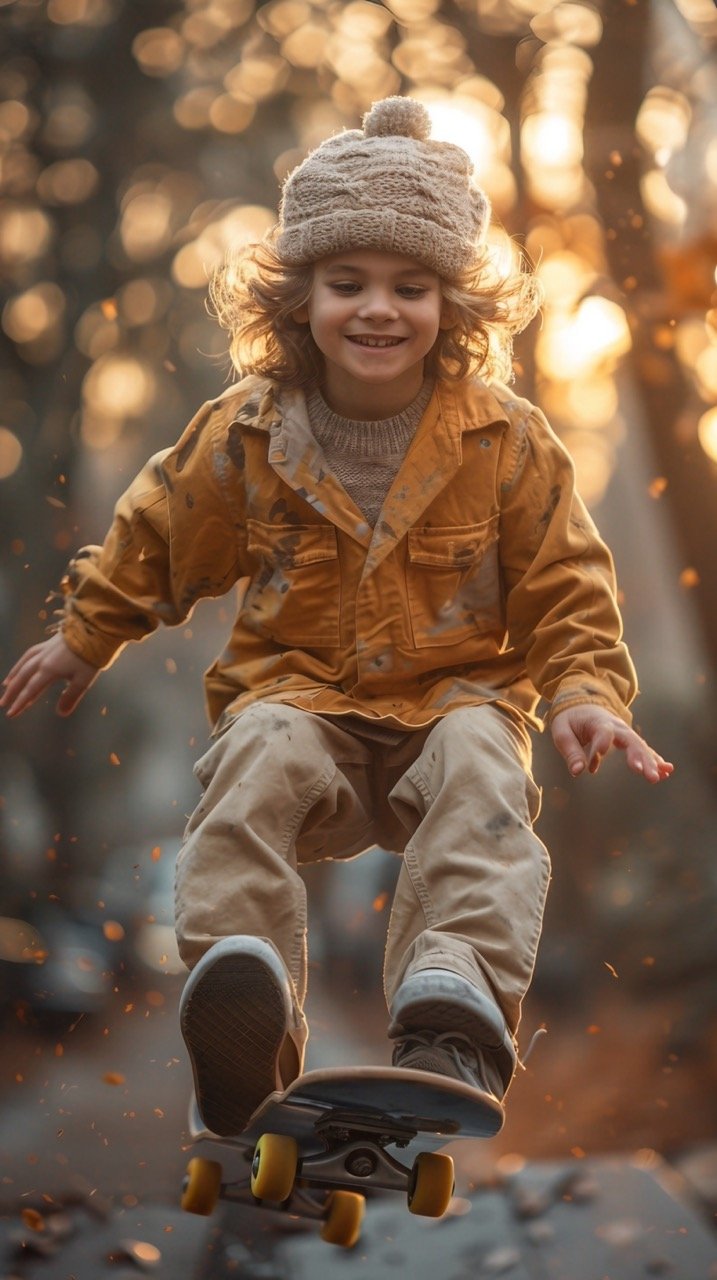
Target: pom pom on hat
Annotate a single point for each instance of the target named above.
(397, 117)
(389, 187)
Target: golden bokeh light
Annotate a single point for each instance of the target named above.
(10, 453)
(15, 120)
(559, 189)
(707, 433)
(305, 46)
(706, 372)
(144, 301)
(577, 24)
(577, 344)
(68, 182)
(159, 51)
(551, 139)
(118, 386)
(206, 27)
(660, 200)
(433, 54)
(31, 315)
(89, 13)
(228, 114)
(412, 11)
(359, 21)
(663, 120)
(469, 123)
(146, 225)
(26, 234)
(566, 277)
(196, 261)
(594, 457)
(693, 335)
(590, 403)
(256, 78)
(192, 109)
(701, 15)
(281, 17)
(96, 333)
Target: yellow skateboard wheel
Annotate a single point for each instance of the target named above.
(273, 1172)
(344, 1216)
(201, 1186)
(431, 1186)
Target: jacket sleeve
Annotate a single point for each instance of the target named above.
(174, 539)
(559, 578)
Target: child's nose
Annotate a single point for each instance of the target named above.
(378, 304)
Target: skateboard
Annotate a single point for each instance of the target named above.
(313, 1150)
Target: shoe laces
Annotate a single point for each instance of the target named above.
(471, 1064)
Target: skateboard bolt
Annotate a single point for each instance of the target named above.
(361, 1164)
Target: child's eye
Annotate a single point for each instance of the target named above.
(345, 286)
(411, 291)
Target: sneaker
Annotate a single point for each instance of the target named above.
(449, 1054)
(243, 1030)
(436, 1002)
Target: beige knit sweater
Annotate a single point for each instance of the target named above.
(365, 456)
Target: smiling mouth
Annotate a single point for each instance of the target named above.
(368, 340)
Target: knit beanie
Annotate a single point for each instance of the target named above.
(387, 187)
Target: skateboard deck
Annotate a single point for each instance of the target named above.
(315, 1148)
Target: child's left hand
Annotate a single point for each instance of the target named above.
(584, 734)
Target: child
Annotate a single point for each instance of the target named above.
(414, 571)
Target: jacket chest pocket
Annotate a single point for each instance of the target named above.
(453, 582)
(295, 594)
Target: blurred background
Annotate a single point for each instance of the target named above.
(138, 142)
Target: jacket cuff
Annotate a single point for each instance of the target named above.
(587, 693)
(90, 645)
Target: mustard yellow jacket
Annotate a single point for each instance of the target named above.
(484, 579)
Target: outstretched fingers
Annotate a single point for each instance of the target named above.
(24, 683)
(38, 668)
(641, 757)
(585, 734)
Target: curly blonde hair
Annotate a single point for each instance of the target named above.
(255, 294)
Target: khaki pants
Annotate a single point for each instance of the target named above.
(283, 787)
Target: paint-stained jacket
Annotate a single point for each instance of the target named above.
(484, 579)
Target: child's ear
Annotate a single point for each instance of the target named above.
(301, 315)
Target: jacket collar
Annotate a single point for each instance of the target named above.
(432, 460)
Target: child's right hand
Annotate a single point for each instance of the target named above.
(41, 666)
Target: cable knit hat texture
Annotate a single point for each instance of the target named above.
(391, 187)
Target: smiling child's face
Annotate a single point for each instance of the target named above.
(374, 316)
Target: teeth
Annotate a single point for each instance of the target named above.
(376, 342)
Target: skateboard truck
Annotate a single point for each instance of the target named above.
(315, 1149)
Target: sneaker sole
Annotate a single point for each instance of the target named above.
(234, 1022)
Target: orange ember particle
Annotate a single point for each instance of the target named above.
(657, 487)
(594, 1030)
(380, 902)
(689, 578)
(156, 853)
(113, 931)
(114, 1077)
(114, 758)
(33, 1219)
(611, 969)
(577, 1152)
(108, 307)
